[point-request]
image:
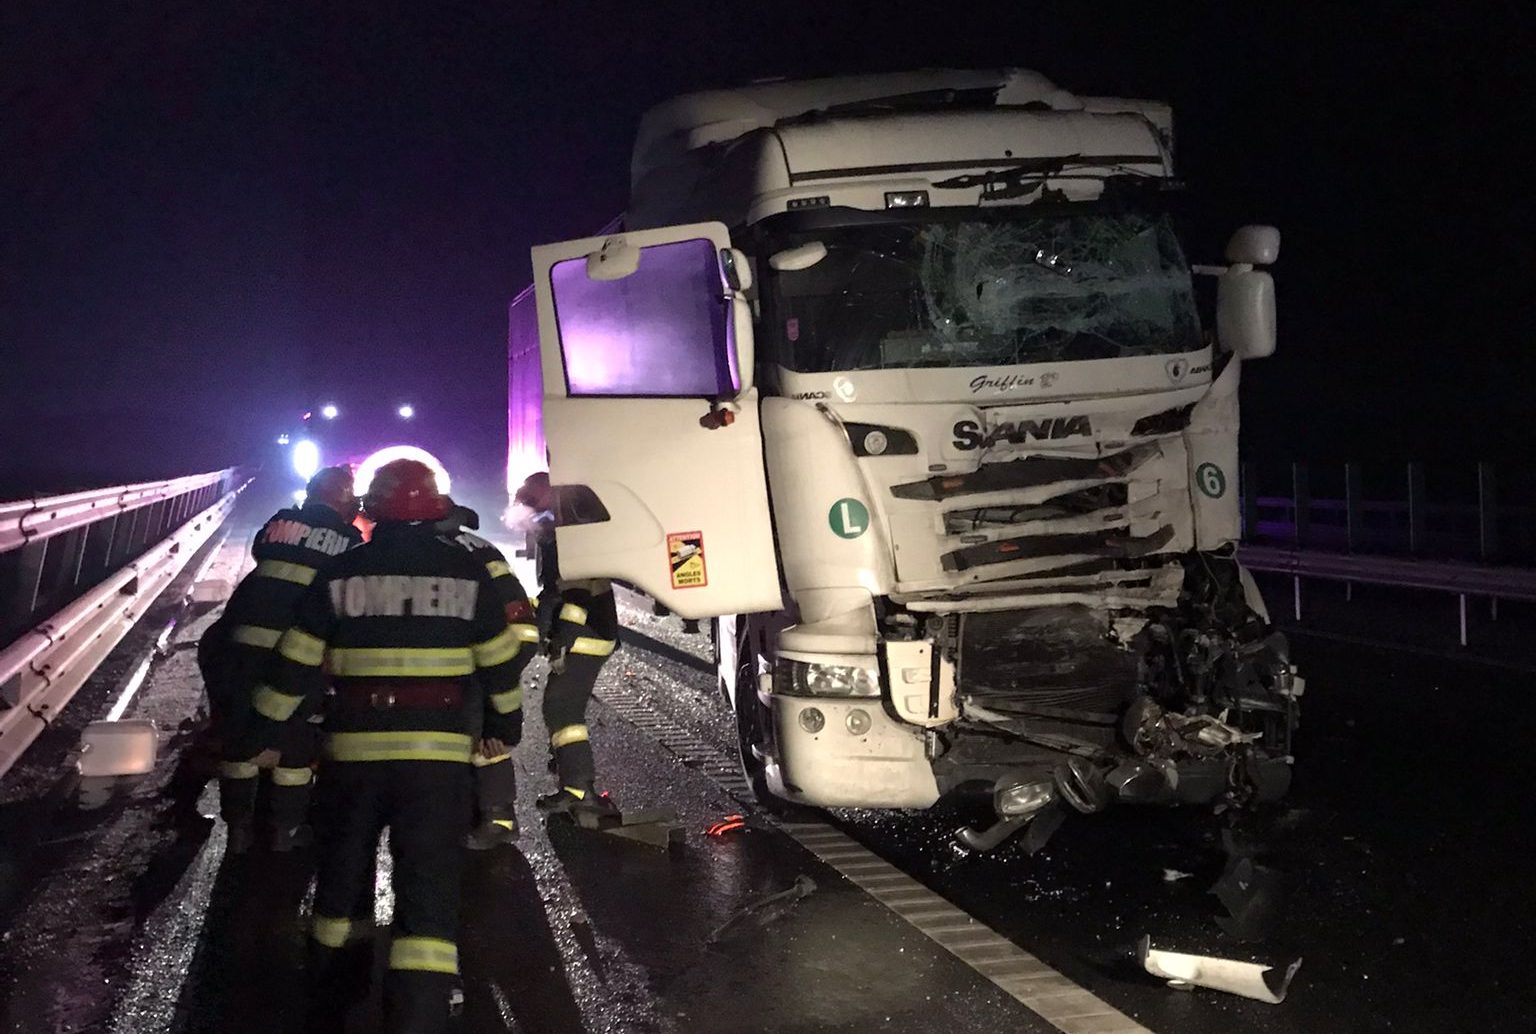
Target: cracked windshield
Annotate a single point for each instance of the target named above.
(987, 293)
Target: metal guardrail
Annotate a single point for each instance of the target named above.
(32, 520)
(54, 548)
(1404, 519)
(1464, 580)
(1404, 543)
(156, 527)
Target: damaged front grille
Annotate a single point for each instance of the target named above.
(1031, 472)
(1117, 542)
(1063, 667)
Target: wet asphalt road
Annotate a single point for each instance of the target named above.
(1403, 848)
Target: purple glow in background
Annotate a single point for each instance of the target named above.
(662, 331)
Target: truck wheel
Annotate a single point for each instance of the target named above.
(752, 721)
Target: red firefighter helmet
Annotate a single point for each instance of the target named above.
(333, 487)
(405, 490)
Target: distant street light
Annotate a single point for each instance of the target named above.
(329, 411)
(406, 411)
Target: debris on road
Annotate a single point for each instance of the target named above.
(1249, 979)
(761, 911)
(1175, 875)
(1253, 895)
(657, 827)
(118, 748)
(729, 824)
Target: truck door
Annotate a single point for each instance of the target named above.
(651, 417)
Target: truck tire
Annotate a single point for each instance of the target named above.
(751, 720)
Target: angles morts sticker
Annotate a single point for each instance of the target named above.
(685, 555)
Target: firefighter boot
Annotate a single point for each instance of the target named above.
(418, 1002)
(495, 796)
(339, 980)
(237, 804)
(569, 800)
(290, 808)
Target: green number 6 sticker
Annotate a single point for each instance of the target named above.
(1211, 480)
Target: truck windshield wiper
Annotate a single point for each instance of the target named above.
(1026, 177)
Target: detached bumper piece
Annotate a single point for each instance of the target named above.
(1249, 979)
(657, 827)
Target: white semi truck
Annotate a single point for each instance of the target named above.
(903, 380)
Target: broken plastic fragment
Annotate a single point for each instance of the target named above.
(726, 825)
(1249, 979)
(120, 748)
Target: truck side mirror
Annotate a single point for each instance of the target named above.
(1254, 246)
(1245, 312)
(615, 260)
(737, 270)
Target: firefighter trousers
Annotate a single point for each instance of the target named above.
(426, 806)
(298, 746)
(565, 715)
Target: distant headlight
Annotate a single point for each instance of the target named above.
(799, 678)
(306, 459)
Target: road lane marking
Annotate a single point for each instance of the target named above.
(1017, 973)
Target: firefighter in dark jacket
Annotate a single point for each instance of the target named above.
(290, 549)
(495, 774)
(583, 632)
(398, 627)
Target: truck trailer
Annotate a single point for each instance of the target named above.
(908, 383)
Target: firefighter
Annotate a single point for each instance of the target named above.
(583, 632)
(495, 773)
(398, 627)
(290, 549)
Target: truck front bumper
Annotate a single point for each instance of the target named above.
(838, 752)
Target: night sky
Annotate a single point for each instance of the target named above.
(212, 214)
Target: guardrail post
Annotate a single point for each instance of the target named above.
(1248, 486)
(1352, 501)
(1416, 523)
(29, 576)
(1301, 502)
(1352, 516)
(1487, 512)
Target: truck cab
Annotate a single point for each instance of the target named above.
(905, 381)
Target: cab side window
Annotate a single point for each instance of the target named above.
(664, 330)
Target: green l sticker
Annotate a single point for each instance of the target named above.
(849, 518)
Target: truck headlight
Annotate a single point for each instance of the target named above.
(801, 678)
